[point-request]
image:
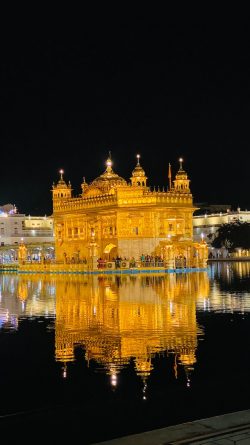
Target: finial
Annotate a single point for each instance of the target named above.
(61, 173)
(109, 162)
(84, 179)
(180, 161)
(138, 159)
(169, 176)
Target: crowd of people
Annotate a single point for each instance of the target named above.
(144, 261)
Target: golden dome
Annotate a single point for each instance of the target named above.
(181, 174)
(109, 179)
(138, 171)
(181, 182)
(61, 183)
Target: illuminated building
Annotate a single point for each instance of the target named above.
(36, 232)
(208, 224)
(113, 217)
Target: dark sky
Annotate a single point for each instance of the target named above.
(148, 87)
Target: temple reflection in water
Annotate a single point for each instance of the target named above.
(113, 318)
(118, 318)
(129, 345)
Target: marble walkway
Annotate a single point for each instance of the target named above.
(227, 429)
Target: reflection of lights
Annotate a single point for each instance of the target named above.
(113, 380)
(64, 372)
(171, 307)
(204, 304)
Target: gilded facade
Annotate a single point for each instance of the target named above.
(114, 217)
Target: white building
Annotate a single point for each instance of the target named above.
(36, 232)
(206, 224)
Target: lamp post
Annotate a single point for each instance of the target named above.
(93, 250)
(169, 253)
(203, 252)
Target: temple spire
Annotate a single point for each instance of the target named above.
(138, 177)
(61, 190)
(181, 161)
(181, 182)
(109, 164)
(84, 185)
(61, 174)
(169, 176)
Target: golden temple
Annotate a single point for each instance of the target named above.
(114, 218)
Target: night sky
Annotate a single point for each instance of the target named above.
(142, 86)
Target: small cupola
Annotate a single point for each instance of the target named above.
(181, 182)
(61, 190)
(138, 177)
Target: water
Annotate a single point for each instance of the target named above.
(113, 355)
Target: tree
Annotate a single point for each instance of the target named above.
(231, 236)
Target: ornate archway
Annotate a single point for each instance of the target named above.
(108, 249)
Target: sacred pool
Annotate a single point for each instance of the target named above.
(109, 355)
